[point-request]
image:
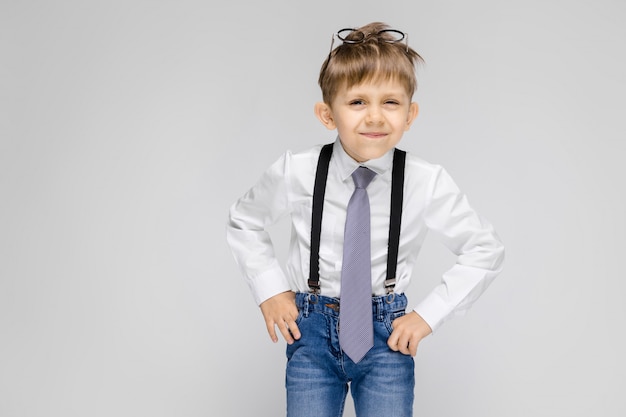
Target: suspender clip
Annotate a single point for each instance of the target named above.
(389, 285)
(314, 286)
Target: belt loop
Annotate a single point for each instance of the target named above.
(305, 307)
(378, 303)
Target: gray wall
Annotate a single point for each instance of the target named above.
(127, 128)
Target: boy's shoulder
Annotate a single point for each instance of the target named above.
(311, 152)
(300, 164)
(414, 162)
(304, 159)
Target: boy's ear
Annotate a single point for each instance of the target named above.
(325, 115)
(414, 110)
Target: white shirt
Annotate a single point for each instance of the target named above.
(432, 202)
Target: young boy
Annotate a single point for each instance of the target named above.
(345, 329)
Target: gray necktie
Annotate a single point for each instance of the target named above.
(356, 332)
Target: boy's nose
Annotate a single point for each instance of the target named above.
(374, 115)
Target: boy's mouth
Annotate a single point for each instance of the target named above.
(374, 135)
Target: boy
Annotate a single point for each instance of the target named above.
(346, 329)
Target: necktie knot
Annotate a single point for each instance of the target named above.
(362, 177)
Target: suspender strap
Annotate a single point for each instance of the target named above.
(395, 217)
(316, 218)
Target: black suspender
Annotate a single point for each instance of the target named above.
(397, 193)
(316, 218)
(395, 218)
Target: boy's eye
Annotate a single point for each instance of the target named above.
(392, 102)
(357, 102)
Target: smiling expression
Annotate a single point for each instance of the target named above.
(370, 117)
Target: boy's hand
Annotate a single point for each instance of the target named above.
(280, 310)
(408, 331)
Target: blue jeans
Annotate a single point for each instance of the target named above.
(319, 373)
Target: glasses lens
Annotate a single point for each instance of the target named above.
(351, 35)
(391, 35)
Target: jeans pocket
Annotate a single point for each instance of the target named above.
(300, 316)
(390, 317)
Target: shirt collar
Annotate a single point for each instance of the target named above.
(347, 165)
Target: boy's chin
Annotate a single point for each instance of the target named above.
(361, 153)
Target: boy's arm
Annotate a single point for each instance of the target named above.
(479, 251)
(252, 248)
(246, 232)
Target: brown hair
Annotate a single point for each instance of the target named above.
(376, 57)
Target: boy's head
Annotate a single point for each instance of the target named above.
(367, 86)
(371, 53)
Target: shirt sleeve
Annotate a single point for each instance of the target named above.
(246, 231)
(479, 251)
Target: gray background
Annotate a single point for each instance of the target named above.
(128, 128)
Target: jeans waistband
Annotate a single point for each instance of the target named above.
(329, 305)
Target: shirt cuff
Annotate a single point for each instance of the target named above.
(269, 283)
(434, 310)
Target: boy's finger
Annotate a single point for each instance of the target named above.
(399, 343)
(271, 331)
(392, 342)
(285, 332)
(293, 329)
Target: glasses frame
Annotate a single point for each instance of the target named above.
(344, 33)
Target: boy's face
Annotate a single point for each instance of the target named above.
(370, 118)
